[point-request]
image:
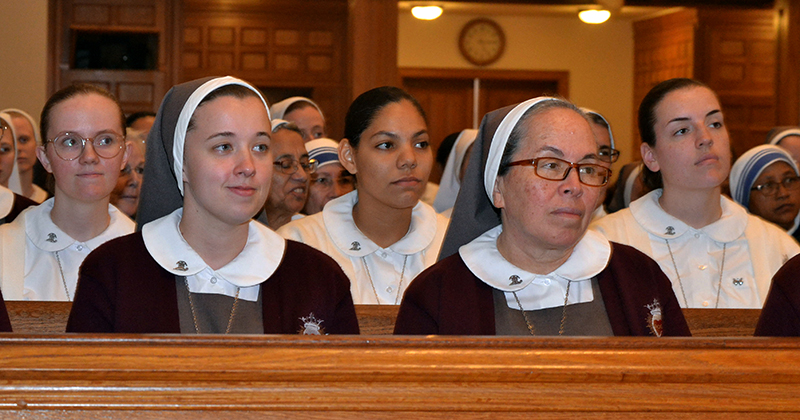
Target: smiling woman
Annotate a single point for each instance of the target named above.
(381, 234)
(200, 263)
(714, 252)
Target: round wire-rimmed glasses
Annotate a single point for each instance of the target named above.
(69, 146)
(555, 169)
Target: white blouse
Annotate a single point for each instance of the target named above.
(40, 261)
(377, 275)
(589, 257)
(726, 264)
(261, 256)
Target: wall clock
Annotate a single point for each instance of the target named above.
(482, 41)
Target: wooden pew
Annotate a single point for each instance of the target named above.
(51, 317)
(358, 377)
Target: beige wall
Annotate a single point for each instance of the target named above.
(23, 55)
(599, 58)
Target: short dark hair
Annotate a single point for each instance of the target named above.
(72, 91)
(137, 115)
(367, 105)
(647, 120)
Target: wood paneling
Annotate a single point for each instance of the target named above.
(372, 34)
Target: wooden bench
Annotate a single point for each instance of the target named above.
(51, 317)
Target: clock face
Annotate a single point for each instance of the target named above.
(482, 42)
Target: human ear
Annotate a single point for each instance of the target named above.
(347, 156)
(497, 194)
(649, 157)
(126, 154)
(42, 156)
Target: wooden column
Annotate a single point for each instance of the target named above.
(372, 38)
(788, 80)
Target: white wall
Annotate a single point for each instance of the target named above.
(23, 55)
(599, 58)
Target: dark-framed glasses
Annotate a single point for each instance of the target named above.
(555, 169)
(69, 146)
(608, 154)
(289, 166)
(771, 187)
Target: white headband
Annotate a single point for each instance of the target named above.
(188, 110)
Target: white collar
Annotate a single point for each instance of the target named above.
(648, 212)
(589, 257)
(47, 236)
(338, 218)
(255, 264)
(6, 201)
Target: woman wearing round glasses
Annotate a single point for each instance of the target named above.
(291, 171)
(518, 259)
(766, 181)
(85, 150)
(200, 264)
(715, 254)
(380, 234)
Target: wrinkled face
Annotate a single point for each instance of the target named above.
(328, 182)
(692, 149)
(393, 159)
(792, 145)
(26, 143)
(288, 193)
(88, 178)
(126, 193)
(6, 155)
(227, 160)
(309, 121)
(782, 207)
(546, 214)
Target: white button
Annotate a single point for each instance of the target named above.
(705, 303)
(80, 247)
(213, 280)
(546, 282)
(702, 266)
(384, 255)
(696, 235)
(389, 289)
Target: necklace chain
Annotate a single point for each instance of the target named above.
(372, 283)
(563, 312)
(194, 315)
(680, 282)
(63, 278)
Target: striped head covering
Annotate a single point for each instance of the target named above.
(779, 133)
(750, 165)
(325, 151)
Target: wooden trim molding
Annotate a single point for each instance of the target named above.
(560, 76)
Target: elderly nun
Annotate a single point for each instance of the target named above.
(518, 259)
(200, 264)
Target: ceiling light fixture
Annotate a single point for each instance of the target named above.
(594, 16)
(426, 12)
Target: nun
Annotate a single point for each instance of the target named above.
(453, 172)
(28, 138)
(330, 180)
(605, 139)
(766, 181)
(200, 264)
(305, 113)
(518, 259)
(11, 203)
(787, 137)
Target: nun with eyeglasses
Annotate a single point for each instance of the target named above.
(518, 259)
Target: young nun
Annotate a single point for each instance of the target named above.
(28, 138)
(11, 203)
(84, 150)
(304, 112)
(714, 252)
(199, 263)
(380, 234)
(518, 259)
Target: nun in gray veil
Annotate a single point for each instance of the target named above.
(518, 259)
(199, 263)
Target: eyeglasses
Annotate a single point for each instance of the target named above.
(608, 154)
(3, 128)
(128, 169)
(69, 146)
(326, 182)
(289, 166)
(771, 187)
(554, 169)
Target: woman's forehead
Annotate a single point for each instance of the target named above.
(559, 129)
